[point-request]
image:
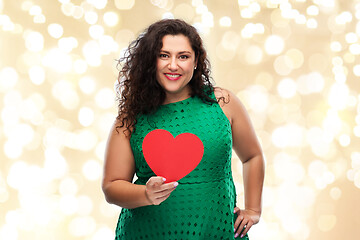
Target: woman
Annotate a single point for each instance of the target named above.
(170, 112)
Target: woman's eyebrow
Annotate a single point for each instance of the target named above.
(182, 52)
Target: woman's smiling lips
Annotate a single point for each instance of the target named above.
(172, 76)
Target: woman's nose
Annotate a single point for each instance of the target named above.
(173, 66)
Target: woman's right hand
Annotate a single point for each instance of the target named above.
(157, 191)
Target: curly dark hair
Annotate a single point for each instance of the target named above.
(140, 91)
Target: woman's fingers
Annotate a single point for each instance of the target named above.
(243, 222)
(157, 191)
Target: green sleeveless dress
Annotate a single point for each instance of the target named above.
(202, 205)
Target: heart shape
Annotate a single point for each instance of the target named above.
(169, 157)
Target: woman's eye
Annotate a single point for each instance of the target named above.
(184, 57)
(163, 55)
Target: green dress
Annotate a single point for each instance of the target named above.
(202, 205)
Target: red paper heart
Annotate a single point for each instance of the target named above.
(169, 157)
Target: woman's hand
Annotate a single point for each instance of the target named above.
(157, 191)
(245, 220)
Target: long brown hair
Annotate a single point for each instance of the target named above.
(138, 91)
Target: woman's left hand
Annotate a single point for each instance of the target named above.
(244, 221)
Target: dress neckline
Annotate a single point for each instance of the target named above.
(181, 101)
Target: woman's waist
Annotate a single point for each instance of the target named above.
(192, 180)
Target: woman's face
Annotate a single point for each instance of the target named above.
(175, 66)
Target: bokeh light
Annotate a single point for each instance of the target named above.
(293, 64)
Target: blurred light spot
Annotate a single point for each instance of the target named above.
(257, 98)
(107, 45)
(8, 232)
(311, 23)
(338, 96)
(168, 15)
(35, 10)
(25, 6)
(108, 210)
(274, 45)
(335, 193)
(39, 19)
(99, 4)
(310, 83)
(244, 2)
(64, 92)
(67, 44)
(250, 29)
(246, 13)
(4, 194)
(55, 164)
(92, 53)
(103, 233)
(288, 171)
(55, 30)
(312, 10)
(80, 66)
(300, 19)
(253, 55)
(343, 18)
(100, 149)
(87, 84)
(91, 17)
(326, 222)
(124, 4)
(86, 116)
(336, 46)
(105, 98)
(76, 11)
(16, 171)
(355, 160)
(351, 37)
(225, 21)
(57, 60)
(67, 7)
(68, 204)
(355, 48)
(92, 170)
(282, 139)
(34, 41)
(230, 40)
(287, 88)
(8, 79)
(344, 140)
(82, 226)
(357, 179)
(12, 149)
(22, 134)
(207, 19)
(123, 37)
(111, 19)
(96, 31)
(296, 57)
(37, 75)
(68, 186)
(283, 65)
(83, 140)
(85, 205)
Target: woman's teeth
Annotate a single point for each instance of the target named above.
(173, 76)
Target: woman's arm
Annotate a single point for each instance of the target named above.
(247, 147)
(119, 169)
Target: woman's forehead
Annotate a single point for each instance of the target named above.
(176, 43)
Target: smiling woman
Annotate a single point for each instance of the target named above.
(175, 67)
(182, 131)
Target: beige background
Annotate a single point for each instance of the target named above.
(294, 64)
